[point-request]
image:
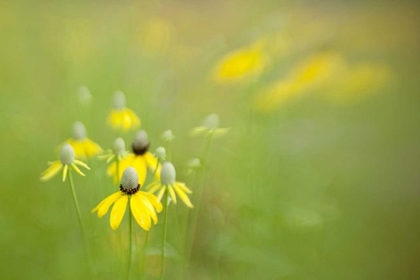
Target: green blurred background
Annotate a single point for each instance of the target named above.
(311, 189)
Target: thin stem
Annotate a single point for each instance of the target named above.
(130, 242)
(79, 216)
(117, 162)
(165, 209)
(199, 192)
(144, 254)
(168, 151)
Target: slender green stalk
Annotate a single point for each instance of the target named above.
(165, 209)
(130, 242)
(199, 192)
(117, 162)
(144, 254)
(79, 216)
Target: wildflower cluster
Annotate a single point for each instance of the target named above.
(129, 170)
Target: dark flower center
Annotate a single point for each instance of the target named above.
(129, 191)
(140, 150)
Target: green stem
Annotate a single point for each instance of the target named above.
(165, 209)
(144, 254)
(199, 192)
(156, 168)
(79, 216)
(117, 162)
(168, 151)
(130, 244)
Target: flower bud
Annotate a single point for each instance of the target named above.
(194, 163)
(79, 131)
(160, 153)
(211, 121)
(130, 179)
(167, 174)
(140, 143)
(119, 147)
(84, 96)
(66, 154)
(167, 135)
(119, 100)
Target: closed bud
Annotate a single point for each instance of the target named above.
(211, 121)
(119, 100)
(167, 174)
(160, 153)
(66, 154)
(79, 131)
(119, 147)
(129, 179)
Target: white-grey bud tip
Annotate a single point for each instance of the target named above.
(167, 174)
(84, 95)
(194, 163)
(141, 139)
(66, 154)
(211, 121)
(79, 131)
(130, 179)
(167, 135)
(119, 146)
(160, 153)
(119, 100)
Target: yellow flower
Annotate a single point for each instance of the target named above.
(140, 159)
(143, 205)
(240, 64)
(210, 127)
(83, 146)
(121, 117)
(167, 182)
(66, 161)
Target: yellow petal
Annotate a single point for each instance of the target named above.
(118, 211)
(103, 207)
(51, 171)
(183, 187)
(135, 121)
(172, 193)
(161, 192)
(196, 131)
(219, 132)
(81, 163)
(151, 161)
(66, 168)
(154, 187)
(155, 202)
(139, 163)
(148, 204)
(91, 148)
(183, 195)
(140, 211)
(77, 169)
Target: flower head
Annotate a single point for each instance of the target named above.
(120, 116)
(84, 96)
(167, 136)
(67, 161)
(140, 159)
(82, 145)
(210, 127)
(160, 153)
(167, 181)
(143, 205)
(118, 151)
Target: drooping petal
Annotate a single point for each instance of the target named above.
(199, 130)
(140, 212)
(139, 163)
(135, 121)
(219, 132)
(81, 163)
(77, 169)
(182, 195)
(91, 148)
(153, 187)
(103, 207)
(183, 187)
(152, 162)
(172, 193)
(149, 206)
(161, 192)
(118, 211)
(66, 167)
(51, 171)
(155, 202)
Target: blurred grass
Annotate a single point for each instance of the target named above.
(312, 190)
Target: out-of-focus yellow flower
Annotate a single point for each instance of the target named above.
(241, 64)
(120, 116)
(67, 161)
(316, 70)
(143, 205)
(359, 82)
(157, 35)
(167, 181)
(210, 127)
(277, 94)
(82, 145)
(140, 159)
